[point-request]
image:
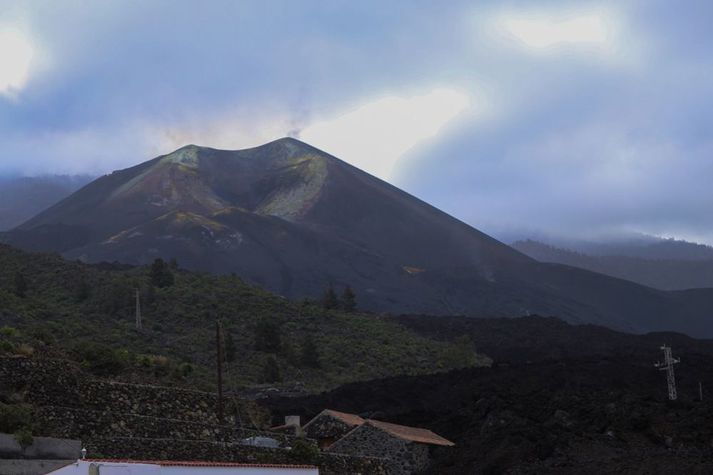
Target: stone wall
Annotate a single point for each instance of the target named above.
(122, 420)
(404, 457)
(88, 423)
(40, 382)
(56, 383)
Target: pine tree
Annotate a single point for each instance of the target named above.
(83, 290)
(160, 274)
(271, 371)
(329, 300)
(348, 300)
(20, 284)
(309, 354)
(230, 350)
(267, 336)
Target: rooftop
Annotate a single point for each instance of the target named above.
(199, 463)
(413, 434)
(350, 419)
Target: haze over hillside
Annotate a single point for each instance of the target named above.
(692, 266)
(295, 220)
(23, 197)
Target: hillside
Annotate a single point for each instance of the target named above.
(21, 198)
(640, 246)
(293, 219)
(691, 268)
(50, 307)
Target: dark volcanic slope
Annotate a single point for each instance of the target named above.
(573, 400)
(294, 219)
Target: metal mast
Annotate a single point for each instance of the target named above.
(667, 366)
(138, 310)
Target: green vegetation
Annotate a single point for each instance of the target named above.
(309, 355)
(271, 371)
(17, 419)
(86, 313)
(161, 275)
(305, 452)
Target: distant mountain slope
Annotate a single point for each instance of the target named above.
(23, 197)
(294, 219)
(692, 269)
(643, 246)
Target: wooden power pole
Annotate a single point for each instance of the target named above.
(219, 356)
(138, 310)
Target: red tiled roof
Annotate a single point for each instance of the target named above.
(350, 419)
(413, 434)
(199, 463)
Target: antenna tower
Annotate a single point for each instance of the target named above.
(667, 366)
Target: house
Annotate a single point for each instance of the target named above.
(406, 448)
(328, 426)
(292, 426)
(166, 467)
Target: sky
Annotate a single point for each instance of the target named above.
(531, 118)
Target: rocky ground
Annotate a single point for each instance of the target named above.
(559, 399)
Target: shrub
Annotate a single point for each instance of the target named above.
(14, 417)
(9, 332)
(304, 451)
(6, 347)
(101, 359)
(44, 335)
(184, 369)
(159, 364)
(24, 437)
(24, 350)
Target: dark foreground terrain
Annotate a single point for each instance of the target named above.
(561, 399)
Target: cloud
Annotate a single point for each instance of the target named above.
(16, 53)
(546, 31)
(587, 32)
(373, 136)
(596, 116)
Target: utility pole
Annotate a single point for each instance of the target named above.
(138, 310)
(219, 356)
(667, 366)
(700, 390)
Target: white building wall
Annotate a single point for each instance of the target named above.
(118, 468)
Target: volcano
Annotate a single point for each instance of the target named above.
(296, 220)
